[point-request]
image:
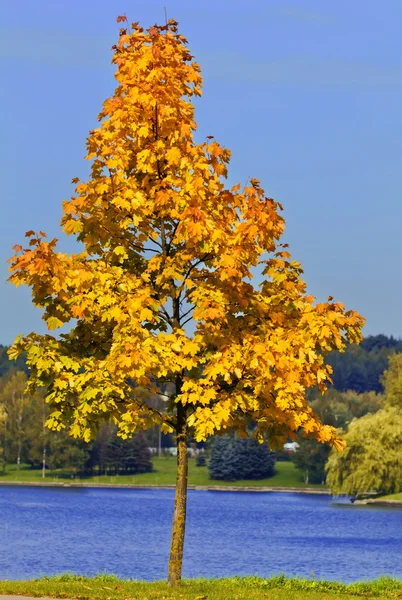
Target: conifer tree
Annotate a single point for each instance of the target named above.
(240, 458)
(201, 459)
(221, 465)
(253, 460)
(165, 242)
(141, 454)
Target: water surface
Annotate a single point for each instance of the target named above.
(46, 531)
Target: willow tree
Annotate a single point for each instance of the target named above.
(166, 243)
(371, 462)
(392, 381)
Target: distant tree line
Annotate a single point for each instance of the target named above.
(24, 438)
(360, 367)
(367, 385)
(6, 364)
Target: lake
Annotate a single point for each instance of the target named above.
(46, 531)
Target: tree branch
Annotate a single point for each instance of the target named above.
(184, 315)
(165, 316)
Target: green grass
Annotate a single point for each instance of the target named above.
(164, 474)
(392, 497)
(106, 587)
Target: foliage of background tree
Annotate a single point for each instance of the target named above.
(6, 364)
(57, 450)
(164, 243)
(310, 458)
(3, 418)
(334, 408)
(16, 406)
(392, 381)
(220, 464)
(24, 438)
(124, 456)
(240, 458)
(201, 459)
(360, 368)
(253, 460)
(372, 459)
(340, 408)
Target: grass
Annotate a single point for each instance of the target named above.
(164, 474)
(392, 497)
(108, 587)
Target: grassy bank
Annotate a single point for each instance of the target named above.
(164, 474)
(276, 588)
(397, 497)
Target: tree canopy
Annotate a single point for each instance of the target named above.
(234, 458)
(371, 461)
(392, 381)
(166, 243)
(372, 458)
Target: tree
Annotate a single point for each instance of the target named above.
(6, 364)
(372, 459)
(340, 408)
(37, 434)
(15, 403)
(201, 459)
(310, 458)
(360, 368)
(56, 450)
(140, 455)
(129, 456)
(3, 418)
(337, 409)
(253, 460)
(221, 464)
(165, 243)
(392, 381)
(240, 458)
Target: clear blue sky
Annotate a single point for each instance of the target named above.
(306, 94)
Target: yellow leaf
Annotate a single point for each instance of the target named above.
(53, 323)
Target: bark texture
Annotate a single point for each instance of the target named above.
(179, 515)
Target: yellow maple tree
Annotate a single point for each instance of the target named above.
(166, 244)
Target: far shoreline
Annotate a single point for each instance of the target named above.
(379, 502)
(208, 488)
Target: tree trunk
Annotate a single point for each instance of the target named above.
(44, 440)
(44, 461)
(19, 455)
(5, 448)
(179, 515)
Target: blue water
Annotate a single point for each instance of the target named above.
(45, 531)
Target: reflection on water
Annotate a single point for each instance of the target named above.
(45, 531)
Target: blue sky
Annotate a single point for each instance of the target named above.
(306, 94)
